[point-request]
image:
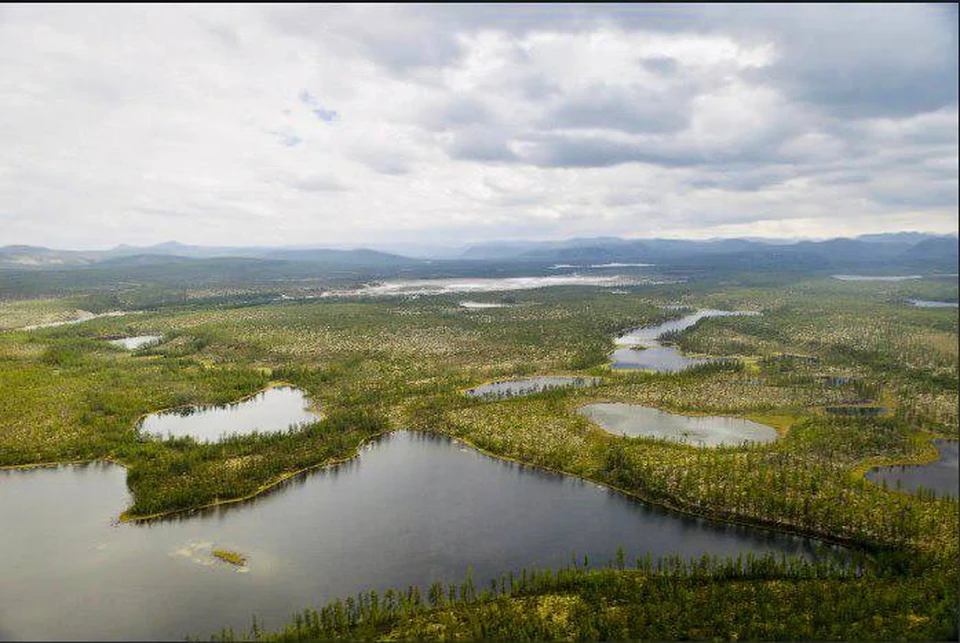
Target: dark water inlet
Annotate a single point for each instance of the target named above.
(413, 509)
(942, 477)
(857, 411)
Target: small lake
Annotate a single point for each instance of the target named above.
(702, 431)
(941, 477)
(655, 356)
(413, 509)
(133, 343)
(480, 305)
(929, 303)
(528, 386)
(272, 410)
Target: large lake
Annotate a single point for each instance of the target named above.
(941, 476)
(492, 284)
(275, 409)
(413, 509)
(653, 355)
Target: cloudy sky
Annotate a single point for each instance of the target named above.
(360, 125)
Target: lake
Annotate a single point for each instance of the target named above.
(942, 476)
(695, 430)
(413, 509)
(274, 409)
(527, 386)
(876, 277)
(654, 356)
(471, 285)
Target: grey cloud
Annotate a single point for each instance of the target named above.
(661, 65)
(460, 111)
(317, 183)
(476, 144)
(635, 111)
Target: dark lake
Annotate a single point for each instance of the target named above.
(413, 509)
(275, 409)
(527, 386)
(641, 349)
(941, 477)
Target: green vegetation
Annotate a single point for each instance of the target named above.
(376, 366)
(670, 599)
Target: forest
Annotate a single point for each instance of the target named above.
(378, 365)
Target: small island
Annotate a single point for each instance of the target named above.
(231, 557)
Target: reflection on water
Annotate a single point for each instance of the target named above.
(275, 409)
(413, 509)
(941, 477)
(704, 431)
(654, 356)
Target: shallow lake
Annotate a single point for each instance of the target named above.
(275, 409)
(942, 476)
(702, 431)
(513, 388)
(655, 356)
(929, 303)
(413, 509)
(133, 343)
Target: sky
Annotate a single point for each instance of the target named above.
(365, 125)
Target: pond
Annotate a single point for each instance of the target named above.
(275, 409)
(413, 509)
(653, 355)
(528, 386)
(941, 477)
(133, 343)
(702, 431)
(929, 303)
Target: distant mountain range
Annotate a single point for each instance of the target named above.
(874, 251)
(173, 252)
